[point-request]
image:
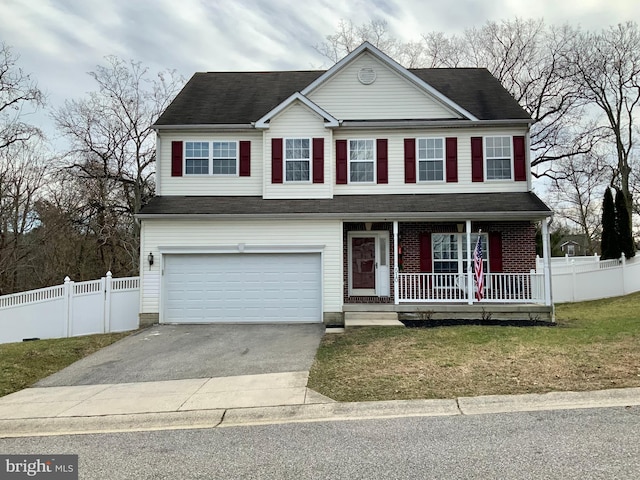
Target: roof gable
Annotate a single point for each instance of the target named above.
(329, 120)
(213, 99)
(367, 49)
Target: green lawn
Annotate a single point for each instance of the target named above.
(593, 346)
(24, 363)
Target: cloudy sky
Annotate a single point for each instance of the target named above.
(59, 41)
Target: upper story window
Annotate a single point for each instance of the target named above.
(196, 158)
(217, 158)
(498, 158)
(297, 159)
(430, 159)
(225, 158)
(361, 161)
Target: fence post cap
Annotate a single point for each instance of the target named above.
(109, 274)
(67, 279)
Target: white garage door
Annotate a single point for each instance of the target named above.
(239, 288)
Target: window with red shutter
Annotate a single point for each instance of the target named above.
(409, 160)
(176, 159)
(341, 162)
(318, 160)
(382, 163)
(276, 160)
(477, 163)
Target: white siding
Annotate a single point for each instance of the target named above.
(199, 235)
(298, 121)
(210, 184)
(396, 183)
(390, 97)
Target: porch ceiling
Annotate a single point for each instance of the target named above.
(448, 206)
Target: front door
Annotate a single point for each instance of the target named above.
(369, 263)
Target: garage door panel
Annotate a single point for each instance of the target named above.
(242, 288)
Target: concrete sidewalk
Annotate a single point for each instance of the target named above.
(244, 400)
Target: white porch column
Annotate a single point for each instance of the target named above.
(546, 252)
(396, 270)
(470, 286)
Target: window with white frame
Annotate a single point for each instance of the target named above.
(297, 159)
(216, 158)
(430, 159)
(225, 158)
(361, 161)
(196, 158)
(498, 158)
(450, 251)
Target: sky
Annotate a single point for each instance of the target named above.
(59, 41)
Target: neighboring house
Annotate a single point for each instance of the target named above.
(299, 196)
(574, 245)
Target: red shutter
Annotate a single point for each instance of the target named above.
(318, 160)
(495, 252)
(477, 163)
(341, 161)
(452, 159)
(519, 162)
(245, 158)
(176, 159)
(409, 160)
(426, 263)
(382, 163)
(276, 160)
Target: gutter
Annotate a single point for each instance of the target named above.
(389, 216)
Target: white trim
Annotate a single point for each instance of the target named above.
(375, 161)
(284, 160)
(330, 120)
(210, 158)
(444, 160)
(400, 216)
(486, 159)
(240, 248)
(206, 126)
(379, 283)
(366, 46)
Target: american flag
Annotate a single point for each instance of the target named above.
(479, 270)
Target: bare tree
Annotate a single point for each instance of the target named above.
(17, 92)
(22, 177)
(605, 67)
(113, 147)
(576, 194)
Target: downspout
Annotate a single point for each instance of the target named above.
(470, 287)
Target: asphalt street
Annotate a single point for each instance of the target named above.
(562, 444)
(178, 352)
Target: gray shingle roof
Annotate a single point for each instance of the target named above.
(243, 97)
(452, 206)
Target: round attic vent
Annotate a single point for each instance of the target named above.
(367, 75)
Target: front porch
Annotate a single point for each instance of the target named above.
(428, 272)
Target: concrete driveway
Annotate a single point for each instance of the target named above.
(177, 352)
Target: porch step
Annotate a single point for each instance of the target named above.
(371, 319)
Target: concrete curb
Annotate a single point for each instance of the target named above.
(318, 412)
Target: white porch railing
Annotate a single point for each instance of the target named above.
(452, 288)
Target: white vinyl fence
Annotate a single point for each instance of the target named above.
(72, 309)
(589, 278)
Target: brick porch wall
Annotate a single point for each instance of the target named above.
(518, 248)
(518, 243)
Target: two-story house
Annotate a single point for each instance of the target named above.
(302, 196)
